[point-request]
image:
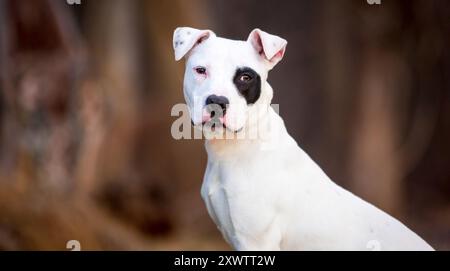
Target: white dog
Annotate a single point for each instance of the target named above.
(265, 192)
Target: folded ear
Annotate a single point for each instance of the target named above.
(186, 38)
(269, 46)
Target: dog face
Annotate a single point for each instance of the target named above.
(225, 80)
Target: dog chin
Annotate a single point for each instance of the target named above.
(223, 126)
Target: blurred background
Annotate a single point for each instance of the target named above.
(86, 93)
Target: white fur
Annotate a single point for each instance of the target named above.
(267, 193)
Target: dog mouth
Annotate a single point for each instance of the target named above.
(214, 126)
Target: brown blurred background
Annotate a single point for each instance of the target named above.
(86, 92)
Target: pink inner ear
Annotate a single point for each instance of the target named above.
(202, 38)
(279, 54)
(257, 43)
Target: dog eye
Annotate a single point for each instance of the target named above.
(245, 78)
(200, 70)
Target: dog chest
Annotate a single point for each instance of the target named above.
(238, 204)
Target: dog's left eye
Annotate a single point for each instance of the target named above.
(245, 78)
(200, 70)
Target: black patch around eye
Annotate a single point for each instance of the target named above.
(251, 89)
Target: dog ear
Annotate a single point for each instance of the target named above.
(270, 47)
(186, 38)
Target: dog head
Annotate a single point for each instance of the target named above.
(226, 79)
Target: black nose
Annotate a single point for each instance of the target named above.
(221, 101)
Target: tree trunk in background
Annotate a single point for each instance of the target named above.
(41, 68)
(339, 72)
(112, 34)
(375, 164)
